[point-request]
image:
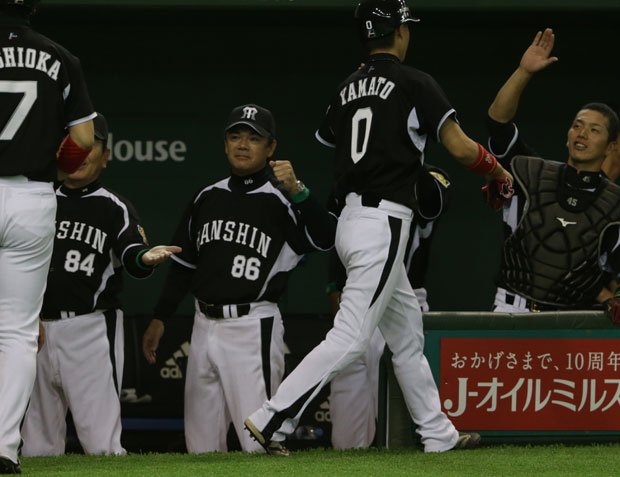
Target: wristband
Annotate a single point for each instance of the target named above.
(70, 156)
(140, 263)
(485, 163)
(301, 195)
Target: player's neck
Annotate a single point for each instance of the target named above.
(78, 184)
(585, 166)
(385, 51)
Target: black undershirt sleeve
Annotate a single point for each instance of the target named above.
(178, 282)
(320, 224)
(505, 142)
(132, 262)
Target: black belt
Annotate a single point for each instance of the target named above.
(370, 200)
(535, 306)
(61, 315)
(224, 311)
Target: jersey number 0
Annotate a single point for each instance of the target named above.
(361, 115)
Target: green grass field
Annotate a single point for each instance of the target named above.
(550, 460)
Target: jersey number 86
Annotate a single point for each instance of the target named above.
(245, 267)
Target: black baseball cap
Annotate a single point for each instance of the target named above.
(101, 128)
(258, 118)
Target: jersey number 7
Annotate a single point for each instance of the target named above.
(29, 91)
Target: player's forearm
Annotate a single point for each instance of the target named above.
(319, 223)
(83, 134)
(468, 152)
(177, 284)
(504, 107)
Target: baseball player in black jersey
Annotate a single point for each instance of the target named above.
(42, 93)
(354, 393)
(241, 237)
(379, 122)
(563, 223)
(80, 368)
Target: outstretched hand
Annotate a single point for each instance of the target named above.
(536, 57)
(159, 254)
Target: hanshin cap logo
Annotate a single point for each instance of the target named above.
(256, 117)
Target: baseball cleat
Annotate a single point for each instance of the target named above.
(467, 440)
(271, 447)
(7, 466)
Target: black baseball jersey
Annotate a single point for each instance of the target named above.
(97, 234)
(42, 91)
(379, 122)
(241, 237)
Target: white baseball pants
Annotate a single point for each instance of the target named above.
(234, 365)
(354, 394)
(371, 243)
(27, 215)
(80, 368)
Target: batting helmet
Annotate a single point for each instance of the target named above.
(379, 18)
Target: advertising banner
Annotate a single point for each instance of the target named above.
(551, 384)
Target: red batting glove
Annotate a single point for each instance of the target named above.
(496, 193)
(613, 307)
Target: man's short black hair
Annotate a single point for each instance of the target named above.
(382, 43)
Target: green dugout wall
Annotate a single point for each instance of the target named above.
(167, 73)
